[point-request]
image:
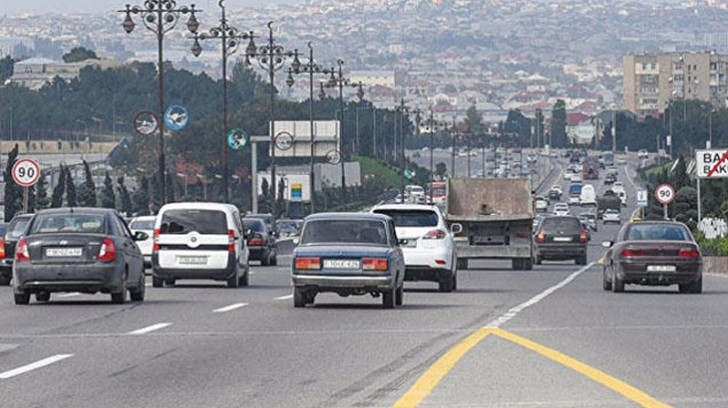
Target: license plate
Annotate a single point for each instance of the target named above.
(63, 252)
(661, 268)
(193, 260)
(562, 239)
(341, 264)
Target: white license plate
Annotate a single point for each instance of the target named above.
(193, 260)
(341, 264)
(562, 239)
(63, 252)
(661, 268)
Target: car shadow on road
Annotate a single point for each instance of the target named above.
(455, 292)
(405, 306)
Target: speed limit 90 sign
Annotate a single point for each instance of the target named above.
(26, 172)
(664, 193)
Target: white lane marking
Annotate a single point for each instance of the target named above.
(229, 308)
(7, 347)
(33, 366)
(510, 314)
(151, 328)
(285, 297)
(68, 295)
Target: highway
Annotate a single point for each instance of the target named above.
(550, 337)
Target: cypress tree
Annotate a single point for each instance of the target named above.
(13, 192)
(71, 198)
(41, 193)
(124, 197)
(57, 198)
(108, 197)
(87, 190)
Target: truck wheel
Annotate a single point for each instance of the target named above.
(462, 263)
(537, 260)
(516, 264)
(4, 280)
(527, 264)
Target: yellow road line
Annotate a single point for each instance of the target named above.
(430, 379)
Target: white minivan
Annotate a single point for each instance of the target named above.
(199, 240)
(588, 196)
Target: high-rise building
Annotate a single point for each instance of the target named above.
(652, 81)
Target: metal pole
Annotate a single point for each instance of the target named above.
(468, 144)
(453, 141)
(374, 131)
(226, 197)
(254, 177)
(271, 72)
(401, 150)
(699, 201)
(160, 90)
(310, 124)
(341, 137)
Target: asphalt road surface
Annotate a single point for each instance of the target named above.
(550, 337)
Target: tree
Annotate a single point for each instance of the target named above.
(538, 127)
(87, 190)
(13, 192)
(41, 193)
(108, 197)
(59, 190)
(169, 183)
(140, 198)
(71, 198)
(558, 125)
(473, 121)
(124, 197)
(78, 54)
(7, 65)
(440, 170)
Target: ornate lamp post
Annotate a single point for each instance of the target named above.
(230, 38)
(337, 79)
(160, 16)
(310, 68)
(270, 57)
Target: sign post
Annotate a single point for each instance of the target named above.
(664, 193)
(709, 164)
(26, 173)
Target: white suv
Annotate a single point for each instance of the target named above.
(429, 252)
(197, 240)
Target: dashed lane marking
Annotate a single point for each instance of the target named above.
(151, 328)
(229, 308)
(285, 297)
(34, 366)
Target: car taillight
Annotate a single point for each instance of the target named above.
(231, 241)
(374, 264)
(155, 245)
(582, 236)
(21, 251)
(631, 252)
(307, 263)
(255, 242)
(688, 253)
(435, 234)
(107, 253)
(541, 237)
(2, 248)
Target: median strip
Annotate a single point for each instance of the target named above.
(34, 366)
(151, 328)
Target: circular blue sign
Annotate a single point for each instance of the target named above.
(237, 139)
(409, 174)
(176, 117)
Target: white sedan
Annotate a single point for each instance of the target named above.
(561, 209)
(611, 215)
(144, 224)
(429, 251)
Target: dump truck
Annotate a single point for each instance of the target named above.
(491, 219)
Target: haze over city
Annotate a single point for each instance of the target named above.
(86, 6)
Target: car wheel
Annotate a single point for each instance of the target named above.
(606, 285)
(265, 259)
(274, 258)
(22, 298)
(157, 282)
(170, 282)
(119, 298)
(537, 260)
(137, 294)
(617, 284)
(581, 260)
(388, 298)
(310, 297)
(692, 287)
(462, 263)
(445, 283)
(43, 296)
(455, 281)
(234, 281)
(4, 280)
(399, 296)
(244, 277)
(299, 297)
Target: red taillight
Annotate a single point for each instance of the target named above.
(374, 264)
(307, 263)
(541, 237)
(582, 236)
(21, 251)
(2, 248)
(107, 253)
(631, 252)
(255, 242)
(155, 245)
(231, 241)
(435, 234)
(688, 253)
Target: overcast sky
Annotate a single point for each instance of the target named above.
(96, 6)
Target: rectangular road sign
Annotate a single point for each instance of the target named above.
(642, 197)
(707, 160)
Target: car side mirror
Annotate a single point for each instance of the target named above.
(607, 244)
(295, 240)
(456, 228)
(140, 236)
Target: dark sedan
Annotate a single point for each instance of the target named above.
(261, 242)
(653, 253)
(348, 254)
(560, 238)
(14, 231)
(86, 250)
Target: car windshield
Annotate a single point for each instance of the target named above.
(642, 232)
(411, 218)
(69, 222)
(560, 224)
(142, 225)
(188, 220)
(17, 228)
(344, 231)
(252, 224)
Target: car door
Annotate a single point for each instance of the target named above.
(397, 254)
(132, 253)
(241, 241)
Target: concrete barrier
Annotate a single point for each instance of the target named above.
(715, 264)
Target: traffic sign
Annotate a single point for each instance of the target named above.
(296, 191)
(333, 157)
(642, 197)
(283, 140)
(409, 174)
(176, 117)
(711, 163)
(664, 193)
(146, 123)
(237, 139)
(26, 172)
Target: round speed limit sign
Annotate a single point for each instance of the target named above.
(664, 193)
(26, 172)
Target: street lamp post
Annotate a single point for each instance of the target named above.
(270, 57)
(184, 175)
(160, 16)
(310, 68)
(230, 38)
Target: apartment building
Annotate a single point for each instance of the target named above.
(652, 81)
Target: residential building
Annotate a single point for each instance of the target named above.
(33, 73)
